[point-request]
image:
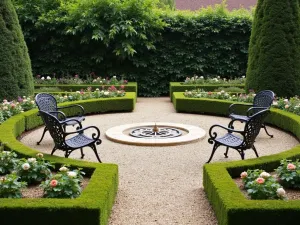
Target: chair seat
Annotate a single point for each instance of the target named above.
(239, 117)
(79, 141)
(229, 140)
(79, 118)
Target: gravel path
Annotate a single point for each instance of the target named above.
(162, 185)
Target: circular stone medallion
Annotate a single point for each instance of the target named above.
(123, 134)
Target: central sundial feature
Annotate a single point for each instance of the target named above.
(155, 134)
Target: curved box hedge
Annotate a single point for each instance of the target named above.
(129, 87)
(94, 205)
(181, 87)
(230, 205)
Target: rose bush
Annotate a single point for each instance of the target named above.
(261, 185)
(64, 184)
(10, 186)
(216, 80)
(289, 173)
(8, 161)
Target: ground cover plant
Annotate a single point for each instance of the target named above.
(22, 104)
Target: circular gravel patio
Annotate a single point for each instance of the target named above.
(161, 185)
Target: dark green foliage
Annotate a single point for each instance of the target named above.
(274, 52)
(134, 39)
(15, 68)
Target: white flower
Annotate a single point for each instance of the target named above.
(100, 82)
(32, 160)
(243, 76)
(24, 100)
(48, 78)
(78, 92)
(65, 96)
(72, 174)
(43, 78)
(97, 89)
(114, 77)
(26, 166)
(275, 103)
(63, 169)
(106, 93)
(218, 77)
(233, 96)
(219, 93)
(32, 102)
(265, 175)
(280, 192)
(222, 91)
(94, 81)
(202, 77)
(253, 95)
(5, 108)
(286, 100)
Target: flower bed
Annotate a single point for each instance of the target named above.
(180, 87)
(9, 109)
(94, 205)
(230, 205)
(129, 87)
(215, 80)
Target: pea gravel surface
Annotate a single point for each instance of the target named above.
(161, 185)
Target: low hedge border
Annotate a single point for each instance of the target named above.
(94, 205)
(179, 87)
(229, 204)
(129, 87)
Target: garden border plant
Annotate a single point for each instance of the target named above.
(129, 87)
(94, 205)
(230, 205)
(181, 87)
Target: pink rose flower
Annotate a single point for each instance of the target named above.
(13, 105)
(53, 183)
(291, 166)
(244, 174)
(260, 180)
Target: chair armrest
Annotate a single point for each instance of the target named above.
(213, 135)
(232, 107)
(95, 136)
(68, 120)
(250, 113)
(56, 113)
(71, 106)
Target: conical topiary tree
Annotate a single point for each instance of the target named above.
(15, 67)
(274, 50)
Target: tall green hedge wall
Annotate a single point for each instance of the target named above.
(15, 68)
(134, 39)
(274, 51)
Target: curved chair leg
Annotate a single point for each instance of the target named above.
(226, 153)
(270, 135)
(95, 151)
(53, 150)
(45, 129)
(230, 125)
(254, 149)
(82, 155)
(213, 152)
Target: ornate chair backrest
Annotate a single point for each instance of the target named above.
(55, 129)
(253, 126)
(46, 102)
(263, 99)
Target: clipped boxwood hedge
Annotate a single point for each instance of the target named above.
(180, 87)
(94, 205)
(130, 87)
(230, 205)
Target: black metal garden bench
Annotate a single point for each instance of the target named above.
(70, 141)
(240, 140)
(262, 100)
(47, 103)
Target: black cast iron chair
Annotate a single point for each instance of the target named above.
(57, 131)
(47, 103)
(262, 100)
(245, 138)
